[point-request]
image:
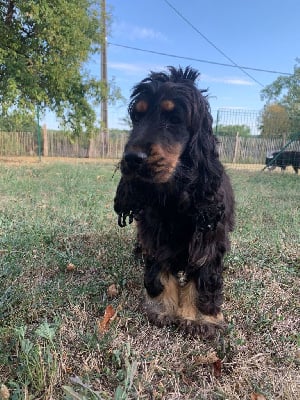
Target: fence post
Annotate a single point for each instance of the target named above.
(45, 141)
(91, 148)
(236, 147)
(38, 132)
(217, 122)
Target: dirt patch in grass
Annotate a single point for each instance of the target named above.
(20, 160)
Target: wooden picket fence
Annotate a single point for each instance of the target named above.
(56, 144)
(251, 150)
(232, 149)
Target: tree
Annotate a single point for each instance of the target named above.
(126, 122)
(18, 121)
(285, 91)
(232, 130)
(44, 47)
(274, 121)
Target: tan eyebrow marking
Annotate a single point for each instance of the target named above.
(167, 105)
(141, 106)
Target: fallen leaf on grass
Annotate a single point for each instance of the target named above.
(212, 359)
(106, 320)
(217, 368)
(257, 396)
(112, 291)
(4, 392)
(71, 267)
(208, 358)
(297, 355)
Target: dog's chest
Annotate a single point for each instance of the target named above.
(168, 225)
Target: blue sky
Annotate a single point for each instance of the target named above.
(258, 33)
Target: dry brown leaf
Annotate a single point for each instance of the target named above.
(71, 267)
(4, 392)
(217, 368)
(108, 315)
(112, 291)
(257, 396)
(209, 358)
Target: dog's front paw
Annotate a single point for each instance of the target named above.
(157, 314)
(161, 319)
(201, 328)
(205, 326)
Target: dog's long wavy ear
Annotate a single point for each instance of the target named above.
(129, 201)
(123, 202)
(203, 144)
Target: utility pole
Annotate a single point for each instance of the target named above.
(104, 116)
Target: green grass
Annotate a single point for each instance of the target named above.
(56, 213)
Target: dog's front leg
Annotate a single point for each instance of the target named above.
(206, 297)
(162, 294)
(202, 297)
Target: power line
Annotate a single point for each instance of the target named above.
(198, 59)
(166, 55)
(211, 43)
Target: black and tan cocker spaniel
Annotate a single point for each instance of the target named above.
(176, 189)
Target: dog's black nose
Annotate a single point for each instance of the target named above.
(134, 159)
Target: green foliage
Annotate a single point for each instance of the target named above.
(18, 121)
(274, 121)
(37, 358)
(44, 46)
(83, 391)
(285, 90)
(232, 130)
(126, 122)
(117, 133)
(128, 372)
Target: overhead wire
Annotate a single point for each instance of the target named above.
(211, 43)
(197, 59)
(169, 55)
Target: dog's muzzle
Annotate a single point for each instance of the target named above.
(157, 165)
(135, 165)
(134, 160)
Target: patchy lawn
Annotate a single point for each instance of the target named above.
(64, 260)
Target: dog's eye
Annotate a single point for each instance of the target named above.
(139, 109)
(174, 119)
(136, 116)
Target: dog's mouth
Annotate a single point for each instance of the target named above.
(157, 167)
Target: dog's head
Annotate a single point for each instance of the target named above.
(171, 126)
(269, 160)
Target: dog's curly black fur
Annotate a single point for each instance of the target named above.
(176, 189)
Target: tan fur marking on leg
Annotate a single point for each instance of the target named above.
(162, 310)
(187, 302)
(178, 304)
(169, 297)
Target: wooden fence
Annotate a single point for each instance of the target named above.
(56, 144)
(232, 149)
(251, 150)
